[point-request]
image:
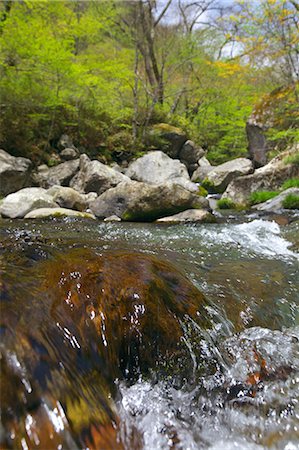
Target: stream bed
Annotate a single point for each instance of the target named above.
(241, 389)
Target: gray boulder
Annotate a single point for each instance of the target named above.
(94, 176)
(190, 154)
(14, 173)
(204, 167)
(172, 137)
(43, 213)
(267, 178)
(67, 197)
(257, 143)
(18, 204)
(65, 141)
(275, 204)
(135, 201)
(68, 154)
(223, 174)
(61, 174)
(190, 215)
(158, 168)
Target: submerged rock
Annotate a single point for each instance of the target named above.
(157, 168)
(72, 327)
(144, 202)
(18, 204)
(14, 173)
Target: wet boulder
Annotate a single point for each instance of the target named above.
(95, 176)
(72, 327)
(136, 201)
(18, 204)
(14, 173)
(157, 168)
(61, 174)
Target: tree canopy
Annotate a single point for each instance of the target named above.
(105, 71)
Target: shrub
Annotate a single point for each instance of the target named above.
(202, 191)
(209, 186)
(291, 201)
(262, 196)
(291, 183)
(225, 203)
(292, 159)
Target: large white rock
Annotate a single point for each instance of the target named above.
(220, 176)
(42, 213)
(67, 197)
(18, 204)
(94, 176)
(14, 173)
(136, 201)
(61, 174)
(190, 215)
(274, 204)
(267, 178)
(157, 168)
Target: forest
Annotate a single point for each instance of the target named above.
(105, 72)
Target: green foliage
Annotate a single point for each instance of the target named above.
(291, 183)
(291, 201)
(262, 196)
(70, 67)
(209, 186)
(226, 203)
(202, 192)
(292, 159)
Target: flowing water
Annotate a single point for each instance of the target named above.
(241, 388)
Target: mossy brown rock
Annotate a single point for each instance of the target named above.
(73, 324)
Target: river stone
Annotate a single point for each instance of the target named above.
(94, 176)
(274, 204)
(267, 178)
(42, 213)
(157, 168)
(14, 173)
(60, 174)
(136, 201)
(173, 138)
(65, 141)
(67, 197)
(190, 153)
(18, 204)
(69, 154)
(190, 215)
(78, 322)
(204, 167)
(220, 176)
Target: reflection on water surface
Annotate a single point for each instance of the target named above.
(78, 375)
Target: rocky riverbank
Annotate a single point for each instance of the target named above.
(173, 187)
